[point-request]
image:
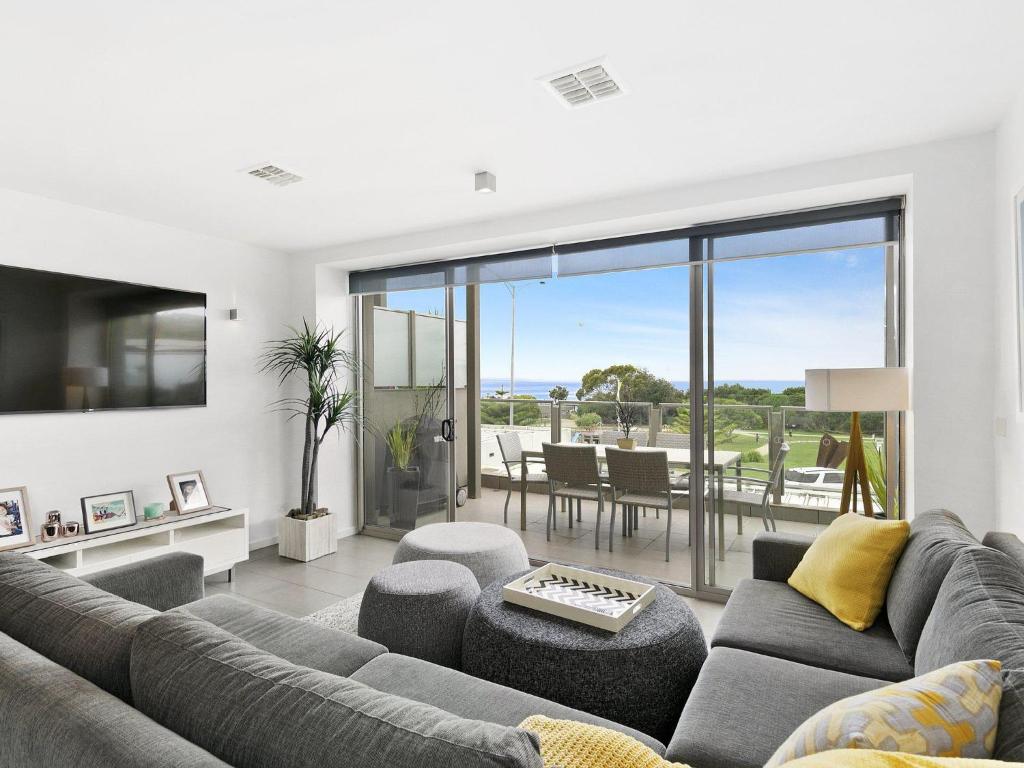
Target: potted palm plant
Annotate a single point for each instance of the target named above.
(314, 355)
(403, 477)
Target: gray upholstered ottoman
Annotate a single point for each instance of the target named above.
(419, 609)
(489, 551)
(640, 677)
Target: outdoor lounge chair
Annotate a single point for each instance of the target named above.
(769, 485)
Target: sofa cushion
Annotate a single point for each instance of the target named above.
(979, 614)
(770, 617)
(468, 696)
(49, 716)
(77, 625)
(294, 640)
(255, 710)
(936, 538)
(744, 706)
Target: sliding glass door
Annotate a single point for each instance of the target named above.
(695, 341)
(407, 462)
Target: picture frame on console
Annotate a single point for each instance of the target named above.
(188, 489)
(108, 511)
(15, 526)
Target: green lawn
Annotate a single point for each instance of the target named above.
(803, 447)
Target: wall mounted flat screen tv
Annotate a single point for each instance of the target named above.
(72, 343)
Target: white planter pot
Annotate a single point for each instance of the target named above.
(307, 540)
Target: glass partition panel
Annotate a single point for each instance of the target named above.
(782, 466)
(405, 459)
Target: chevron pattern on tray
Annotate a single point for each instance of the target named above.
(582, 594)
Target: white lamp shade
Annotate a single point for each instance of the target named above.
(86, 376)
(857, 389)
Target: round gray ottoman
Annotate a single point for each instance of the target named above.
(419, 609)
(640, 677)
(489, 551)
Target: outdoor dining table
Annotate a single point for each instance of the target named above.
(678, 458)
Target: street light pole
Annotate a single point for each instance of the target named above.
(512, 362)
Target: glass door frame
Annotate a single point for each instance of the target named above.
(359, 306)
(702, 350)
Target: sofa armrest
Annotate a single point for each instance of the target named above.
(776, 555)
(1006, 542)
(162, 582)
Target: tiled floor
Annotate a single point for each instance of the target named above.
(300, 589)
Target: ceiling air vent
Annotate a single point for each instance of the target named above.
(279, 177)
(585, 84)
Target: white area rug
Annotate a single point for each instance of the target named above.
(343, 615)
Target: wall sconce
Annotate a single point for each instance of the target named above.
(233, 314)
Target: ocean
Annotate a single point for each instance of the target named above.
(540, 389)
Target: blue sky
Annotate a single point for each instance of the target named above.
(774, 317)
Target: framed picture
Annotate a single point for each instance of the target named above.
(188, 490)
(109, 511)
(1018, 245)
(15, 527)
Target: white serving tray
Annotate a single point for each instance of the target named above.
(596, 599)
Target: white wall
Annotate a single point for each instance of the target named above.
(1009, 448)
(241, 446)
(949, 325)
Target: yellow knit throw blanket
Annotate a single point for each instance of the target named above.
(566, 744)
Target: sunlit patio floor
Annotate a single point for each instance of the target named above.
(643, 553)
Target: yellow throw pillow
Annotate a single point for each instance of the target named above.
(871, 758)
(951, 712)
(847, 568)
(568, 744)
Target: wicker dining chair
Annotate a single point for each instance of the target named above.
(573, 474)
(640, 479)
(511, 448)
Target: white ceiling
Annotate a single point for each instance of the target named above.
(151, 108)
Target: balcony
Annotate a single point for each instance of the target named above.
(805, 499)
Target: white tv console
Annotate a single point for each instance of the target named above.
(220, 536)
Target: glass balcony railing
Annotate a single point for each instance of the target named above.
(814, 444)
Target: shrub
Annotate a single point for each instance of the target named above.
(588, 420)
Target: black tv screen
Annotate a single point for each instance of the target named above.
(71, 343)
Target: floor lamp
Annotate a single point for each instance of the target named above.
(856, 390)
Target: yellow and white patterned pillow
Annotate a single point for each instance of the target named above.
(873, 758)
(951, 712)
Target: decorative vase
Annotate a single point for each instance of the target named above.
(404, 485)
(306, 540)
(626, 443)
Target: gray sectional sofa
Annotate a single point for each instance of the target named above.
(148, 672)
(777, 658)
(90, 679)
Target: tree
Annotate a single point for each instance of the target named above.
(558, 393)
(644, 386)
(527, 411)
